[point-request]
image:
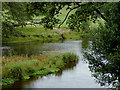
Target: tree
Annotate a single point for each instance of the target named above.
(13, 12)
(49, 10)
(104, 55)
(84, 11)
(18, 12)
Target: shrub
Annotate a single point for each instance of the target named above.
(69, 57)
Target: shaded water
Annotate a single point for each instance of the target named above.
(73, 76)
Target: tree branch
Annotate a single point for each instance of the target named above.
(101, 15)
(70, 11)
(79, 5)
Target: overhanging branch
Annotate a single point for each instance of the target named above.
(79, 5)
(71, 10)
(101, 15)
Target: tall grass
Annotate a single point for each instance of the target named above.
(23, 67)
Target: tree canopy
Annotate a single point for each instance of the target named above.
(17, 12)
(13, 12)
(104, 58)
(84, 11)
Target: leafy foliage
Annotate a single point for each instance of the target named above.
(104, 57)
(13, 12)
(84, 11)
(18, 12)
(49, 22)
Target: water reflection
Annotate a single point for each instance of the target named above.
(28, 48)
(34, 48)
(69, 66)
(85, 43)
(74, 75)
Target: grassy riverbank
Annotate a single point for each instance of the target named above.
(23, 67)
(31, 33)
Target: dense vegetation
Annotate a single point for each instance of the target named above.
(23, 67)
(104, 59)
(50, 15)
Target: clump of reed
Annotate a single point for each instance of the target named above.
(23, 67)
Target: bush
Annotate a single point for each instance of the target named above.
(17, 33)
(69, 57)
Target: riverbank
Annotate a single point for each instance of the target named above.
(23, 67)
(31, 33)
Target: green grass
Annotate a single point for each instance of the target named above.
(23, 67)
(31, 33)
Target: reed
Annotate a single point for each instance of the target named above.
(23, 67)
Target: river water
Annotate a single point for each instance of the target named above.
(75, 76)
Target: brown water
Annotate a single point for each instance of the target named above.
(76, 75)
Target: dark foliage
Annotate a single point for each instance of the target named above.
(104, 57)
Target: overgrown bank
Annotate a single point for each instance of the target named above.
(23, 67)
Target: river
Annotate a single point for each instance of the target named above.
(77, 76)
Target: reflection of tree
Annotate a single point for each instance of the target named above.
(85, 42)
(27, 48)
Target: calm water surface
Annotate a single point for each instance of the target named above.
(73, 76)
